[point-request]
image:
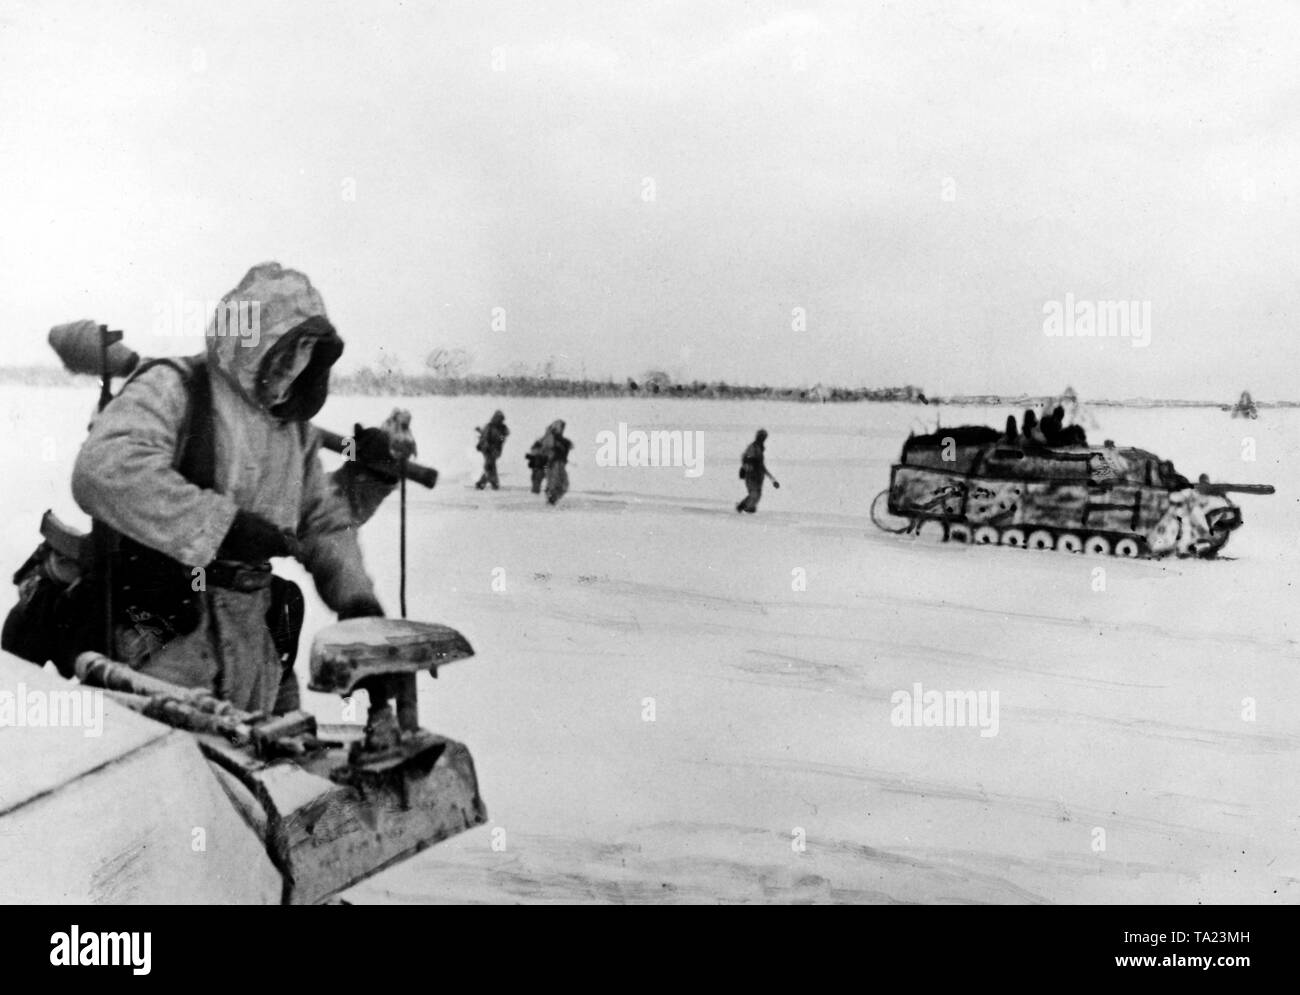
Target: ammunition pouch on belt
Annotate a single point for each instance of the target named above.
(153, 590)
(285, 618)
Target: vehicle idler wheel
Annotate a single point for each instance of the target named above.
(959, 532)
(1014, 537)
(1128, 548)
(1069, 543)
(1096, 546)
(1040, 539)
(986, 535)
(885, 519)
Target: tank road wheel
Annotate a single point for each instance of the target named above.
(885, 519)
(932, 530)
(1096, 546)
(1040, 539)
(1128, 548)
(985, 535)
(959, 532)
(1069, 543)
(1014, 538)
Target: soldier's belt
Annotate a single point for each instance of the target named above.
(242, 577)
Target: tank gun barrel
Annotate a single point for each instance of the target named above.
(1222, 490)
(186, 708)
(200, 711)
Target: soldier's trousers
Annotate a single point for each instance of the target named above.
(539, 475)
(557, 482)
(232, 652)
(243, 649)
(489, 474)
(750, 503)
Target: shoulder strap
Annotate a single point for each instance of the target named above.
(198, 457)
(199, 451)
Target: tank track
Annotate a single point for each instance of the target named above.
(1094, 542)
(1089, 541)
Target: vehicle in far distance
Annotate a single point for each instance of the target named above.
(1244, 408)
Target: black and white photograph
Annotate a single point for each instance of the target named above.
(656, 453)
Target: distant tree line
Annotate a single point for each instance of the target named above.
(369, 381)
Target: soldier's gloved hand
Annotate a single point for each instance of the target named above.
(382, 450)
(374, 453)
(362, 607)
(252, 539)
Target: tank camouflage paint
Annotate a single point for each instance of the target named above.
(987, 487)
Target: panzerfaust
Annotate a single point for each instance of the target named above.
(974, 484)
(332, 805)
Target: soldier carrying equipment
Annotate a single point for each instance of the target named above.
(491, 440)
(197, 474)
(753, 470)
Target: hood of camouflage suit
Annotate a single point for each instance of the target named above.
(277, 302)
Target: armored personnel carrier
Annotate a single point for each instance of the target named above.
(978, 485)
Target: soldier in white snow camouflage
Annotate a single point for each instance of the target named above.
(269, 495)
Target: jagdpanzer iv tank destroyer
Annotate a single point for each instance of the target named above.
(977, 485)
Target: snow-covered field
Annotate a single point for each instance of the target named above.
(675, 703)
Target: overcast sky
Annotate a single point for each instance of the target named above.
(662, 185)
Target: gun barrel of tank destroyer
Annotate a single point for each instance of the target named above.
(196, 710)
(1222, 490)
(207, 709)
